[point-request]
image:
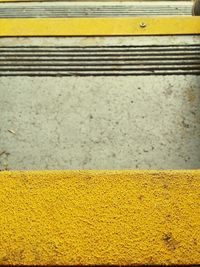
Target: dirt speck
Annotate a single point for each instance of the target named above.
(185, 125)
(141, 197)
(195, 241)
(169, 241)
(190, 95)
(168, 91)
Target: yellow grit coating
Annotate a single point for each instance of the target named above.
(99, 217)
(99, 26)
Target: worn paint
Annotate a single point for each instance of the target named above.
(99, 26)
(99, 217)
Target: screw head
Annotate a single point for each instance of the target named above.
(142, 25)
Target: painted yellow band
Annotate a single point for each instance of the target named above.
(99, 217)
(99, 26)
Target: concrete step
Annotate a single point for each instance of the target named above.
(100, 102)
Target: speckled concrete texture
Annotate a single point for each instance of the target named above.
(100, 122)
(99, 217)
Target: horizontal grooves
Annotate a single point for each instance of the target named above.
(92, 11)
(100, 61)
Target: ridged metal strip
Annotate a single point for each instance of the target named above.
(100, 10)
(99, 60)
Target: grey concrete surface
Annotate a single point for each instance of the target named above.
(150, 122)
(100, 123)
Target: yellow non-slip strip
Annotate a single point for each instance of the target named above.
(99, 217)
(99, 26)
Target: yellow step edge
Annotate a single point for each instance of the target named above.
(99, 217)
(99, 26)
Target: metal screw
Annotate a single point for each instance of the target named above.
(142, 25)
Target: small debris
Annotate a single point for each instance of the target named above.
(11, 131)
(2, 152)
(6, 166)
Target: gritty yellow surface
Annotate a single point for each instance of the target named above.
(99, 26)
(99, 217)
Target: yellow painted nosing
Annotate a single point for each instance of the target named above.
(99, 26)
(99, 217)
